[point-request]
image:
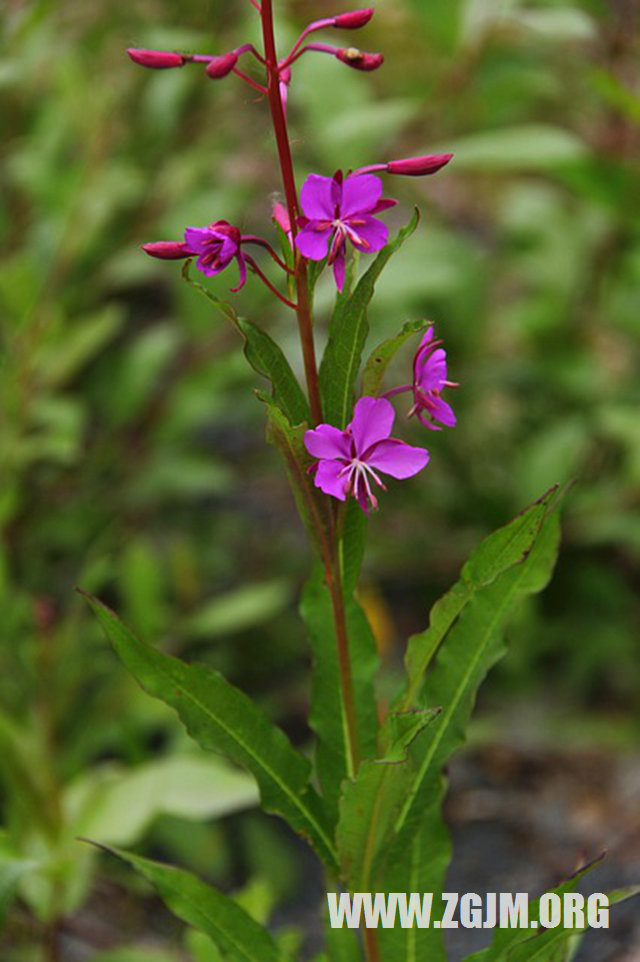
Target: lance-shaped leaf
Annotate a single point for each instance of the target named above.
(223, 719)
(381, 357)
(471, 647)
(370, 802)
(264, 356)
(347, 336)
(327, 716)
(313, 506)
(351, 545)
(540, 945)
(234, 932)
(501, 550)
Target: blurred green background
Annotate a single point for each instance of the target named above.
(132, 455)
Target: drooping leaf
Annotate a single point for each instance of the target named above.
(501, 550)
(223, 719)
(347, 336)
(234, 932)
(380, 358)
(265, 357)
(327, 715)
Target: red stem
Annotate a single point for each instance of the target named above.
(303, 310)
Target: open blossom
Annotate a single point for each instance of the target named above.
(429, 379)
(350, 460)
(338, 209)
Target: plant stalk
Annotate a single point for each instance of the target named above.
(303, 308)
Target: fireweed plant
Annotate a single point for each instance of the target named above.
(367, 796)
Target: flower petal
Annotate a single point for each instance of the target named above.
(373, 233)
(319, 196)
(398, 459)
(372, 421)
(442, 412)
(432, 372)
(328, 442)
(339, 268)
(243, 273)
(360, 193)
(329, 481)
(196, 238)
(313, 243)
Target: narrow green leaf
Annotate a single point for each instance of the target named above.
(351, 545)
(327, 717)
(223, 719)
(347, 335)
(383, 354)
(524, 945)
(472, 645)
(313, 506)
(232, 929)
(501, 550)
(264, 356)
(370, 802)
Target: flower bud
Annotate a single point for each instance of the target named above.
(219, 67)
(418, 166)
(156, 59)
(359, 59)
(168, 250)
(353, 20)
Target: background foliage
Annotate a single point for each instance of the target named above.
(132, 457)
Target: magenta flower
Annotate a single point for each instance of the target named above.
(216, 246)
(338, 209)
(429, 378)
(350, 460)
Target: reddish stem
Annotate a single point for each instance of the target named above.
(303, 310)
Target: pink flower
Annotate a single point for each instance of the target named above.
(217, 245)
(429, 379)
(350, 460)
(338, 209)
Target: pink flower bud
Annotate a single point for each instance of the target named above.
(359, 59)
(156, 59)
(219, 67)
(418, 166)
(168, 250)
(353, 20)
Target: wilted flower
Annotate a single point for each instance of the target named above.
(338, 209)
(350, 460)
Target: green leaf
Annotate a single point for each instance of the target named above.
(265, 357)
(347, 335)
(313, 506)
(523, 945)
(501, 550)
(351, 545)
(117, 806)
(134, 953)
(370, 802)
(246, 607)
(381, 357)
(472, 645)
(202, 948)
(223, 719)
(234, 932)
(327, 716)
